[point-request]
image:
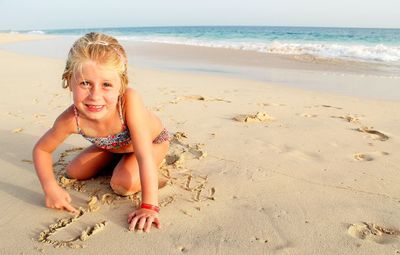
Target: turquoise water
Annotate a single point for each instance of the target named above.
(360, 44)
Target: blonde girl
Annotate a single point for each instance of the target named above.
(112, 117)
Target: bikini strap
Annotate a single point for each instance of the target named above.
(77, 120)
(120, 111)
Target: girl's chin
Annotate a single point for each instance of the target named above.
(93, 113)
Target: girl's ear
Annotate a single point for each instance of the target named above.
(68, 85)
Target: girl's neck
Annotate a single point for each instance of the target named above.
(108, 125)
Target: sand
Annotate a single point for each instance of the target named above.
(254, 168)
(15, 37)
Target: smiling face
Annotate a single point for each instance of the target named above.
(95, 90)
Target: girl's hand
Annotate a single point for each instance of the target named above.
(142, 219)
(58, 198)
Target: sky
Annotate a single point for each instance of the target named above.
(58, 14)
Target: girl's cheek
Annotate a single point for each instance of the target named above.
(79, 95)
(112, 98)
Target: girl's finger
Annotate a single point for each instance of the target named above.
(141, 223)
(148, 223)
(130, 217)
(157, 222)
(69, 208)
(133, 223)
(68, 198)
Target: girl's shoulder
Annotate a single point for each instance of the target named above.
(131, 99)
(133, 106)
(66, 121)
(130, 94)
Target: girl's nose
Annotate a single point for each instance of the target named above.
(95, 91)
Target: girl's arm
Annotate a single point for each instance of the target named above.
(56, 197)
(139, 124)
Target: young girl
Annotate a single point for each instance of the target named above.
(114, 119)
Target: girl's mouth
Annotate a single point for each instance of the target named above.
(94, 108)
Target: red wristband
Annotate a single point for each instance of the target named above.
(150, 207)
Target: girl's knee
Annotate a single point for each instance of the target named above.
(76, 172)
(125, 188)
(71, 173)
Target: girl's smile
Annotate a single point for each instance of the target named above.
(95, 108)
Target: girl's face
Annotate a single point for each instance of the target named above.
(95, 90)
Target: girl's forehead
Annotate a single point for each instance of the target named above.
(92, 69)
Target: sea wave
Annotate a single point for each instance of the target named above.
(36, 32)
(379, 52)
(358, 52)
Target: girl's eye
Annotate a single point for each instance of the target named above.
(106, 84)
(85, 83)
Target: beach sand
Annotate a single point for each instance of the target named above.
(15, 37)
(254, 168)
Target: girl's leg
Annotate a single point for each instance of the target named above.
(89, 162)
(126, 178)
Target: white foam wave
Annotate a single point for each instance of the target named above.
(36, 32)
(379, 52)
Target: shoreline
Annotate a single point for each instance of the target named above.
(340, 77)
(207, 55)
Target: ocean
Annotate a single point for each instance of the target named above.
(358, 44)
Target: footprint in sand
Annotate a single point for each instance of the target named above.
(372, 232)
(377, 135)
(369, 156)
(258, 117)
(348, 118)
(363, 157)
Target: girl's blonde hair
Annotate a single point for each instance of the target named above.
(101, 48)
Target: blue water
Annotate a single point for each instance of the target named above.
(360, 44)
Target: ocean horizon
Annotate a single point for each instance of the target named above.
(372, 45)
